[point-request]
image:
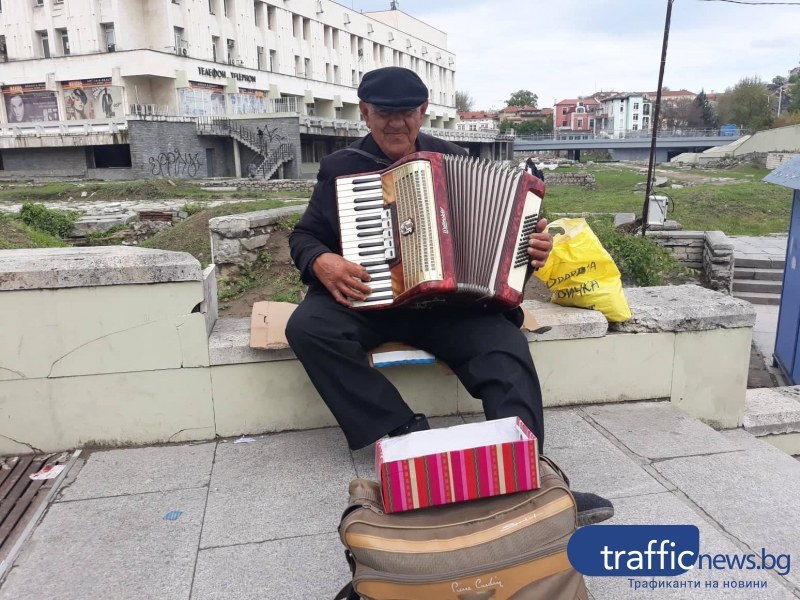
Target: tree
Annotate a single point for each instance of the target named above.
(746, 105)
(463, 102)
(532, 127)
(708, 117)
(794, 94)
(681, 113)
(523, 98)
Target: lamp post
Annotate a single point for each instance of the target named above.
(656, 114)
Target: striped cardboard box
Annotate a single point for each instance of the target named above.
(459, 475)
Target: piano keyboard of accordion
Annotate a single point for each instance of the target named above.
(441, 228)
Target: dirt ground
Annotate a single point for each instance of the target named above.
(279, 279)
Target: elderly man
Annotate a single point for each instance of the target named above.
(487, 351)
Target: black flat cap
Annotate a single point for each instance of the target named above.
(394, 88)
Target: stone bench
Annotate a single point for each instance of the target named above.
(122, 346)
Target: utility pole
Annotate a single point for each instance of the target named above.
(656, 114)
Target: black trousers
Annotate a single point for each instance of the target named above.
(487, 352)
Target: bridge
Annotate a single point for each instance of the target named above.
(631, 145)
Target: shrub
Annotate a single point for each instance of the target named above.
(57, 223)
(640, 260)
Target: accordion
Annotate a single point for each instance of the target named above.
(440, 228)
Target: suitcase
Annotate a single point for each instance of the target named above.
(508, 547)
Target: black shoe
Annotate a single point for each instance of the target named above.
(418, 422)
(592, 509)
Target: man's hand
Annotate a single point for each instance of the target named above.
(342, 278)
(540, 244)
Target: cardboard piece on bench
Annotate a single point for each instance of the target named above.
(268, 325)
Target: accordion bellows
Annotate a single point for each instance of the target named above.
(440, 228)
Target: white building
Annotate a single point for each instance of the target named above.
(108, 64)
(627, 113)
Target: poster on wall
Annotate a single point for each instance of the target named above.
(202, 99)
(30, 103)
(248, 102)
(92, 99)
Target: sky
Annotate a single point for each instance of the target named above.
(567, 48)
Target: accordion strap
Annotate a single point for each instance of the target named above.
(377, 159)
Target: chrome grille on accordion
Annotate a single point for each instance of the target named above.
(440, 228)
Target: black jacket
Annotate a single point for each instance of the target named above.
(318, 229)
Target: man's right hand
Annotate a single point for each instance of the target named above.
(342, 278)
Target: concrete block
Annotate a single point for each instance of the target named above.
(210, 304)
(709, 377)
(772, 411)
(683, 308)
(256, 242)
(128, 550)
(656, 430)
(277, 396)
(276, 501)
(54, 268)
(101, 223)
(120, 409)
(80, 331)
(565, 322)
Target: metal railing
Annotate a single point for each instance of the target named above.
(633, 134)
(60, 128)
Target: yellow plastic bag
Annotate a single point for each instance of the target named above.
(580, 272)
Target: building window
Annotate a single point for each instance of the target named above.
(272, 24)
(212, 6)
(635, 106)
(337, 77)
(231, 51)
(326, 36)
(328, 73)
(646, 109)
(225, 6)
(635, 127)
(297, 26)
(307, 29)
(307, 68)
(353, 78)
(591, 123)
(178, 40)
(564, 110)
(645, 121)
(335, 39)
(298, 65)
(621, 108)
(215, 48)
(273, 60)
(580, 123)
(563, 123)
(109, 36)
(258, 10)
(260, 57)
(44, 43)
(635, 117)
(64, 37)
(39, 2)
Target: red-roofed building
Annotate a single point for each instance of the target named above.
(522, 114)
(578, 114)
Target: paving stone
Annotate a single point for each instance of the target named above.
(283, 485)
(121, 548)
(752, 494)
(301, 568)
(140, 470)
(666, 509)
(655, 430)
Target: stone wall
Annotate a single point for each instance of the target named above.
(288, 127)
(269, 185)
(236, 240)
(170, 149)
(45, 162)
(708, 251)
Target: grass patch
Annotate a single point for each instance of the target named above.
(14, 234)
(750, 208)
(191, 235)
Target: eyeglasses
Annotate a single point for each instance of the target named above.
(387, 113)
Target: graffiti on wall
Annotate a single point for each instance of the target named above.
(175, 163)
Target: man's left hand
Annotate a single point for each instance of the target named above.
(540, 244)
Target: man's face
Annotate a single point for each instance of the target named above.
(17, 108)
(395, 131)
